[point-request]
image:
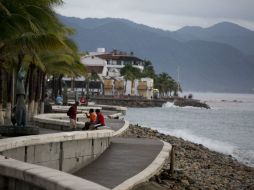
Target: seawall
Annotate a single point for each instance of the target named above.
(128, 102)
(66, 151)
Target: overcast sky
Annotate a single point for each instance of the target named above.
(165, 14)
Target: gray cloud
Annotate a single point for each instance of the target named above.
(166, 14)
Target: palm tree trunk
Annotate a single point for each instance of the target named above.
(21, 56)
(87, 86)
(1, 97)
(43, 82)
(132, 87)
(54, 88)
(9, 97)
(72, 84)
(37, 92)
(27, 80)
(60, 85)
(32, 89)
(125, 86)
(13, 91)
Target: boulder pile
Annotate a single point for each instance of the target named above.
(196, 167)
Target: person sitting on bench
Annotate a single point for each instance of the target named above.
(100, 119)
(92, 117)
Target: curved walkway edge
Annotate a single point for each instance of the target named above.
(122, 129)
(40, 176)
(16, 142)
(150, 171)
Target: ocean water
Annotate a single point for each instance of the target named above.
(227, 128)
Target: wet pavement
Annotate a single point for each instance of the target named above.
(125, 158)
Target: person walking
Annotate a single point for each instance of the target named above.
(72, 113)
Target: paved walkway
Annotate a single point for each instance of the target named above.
(125, 158)
(114, 124)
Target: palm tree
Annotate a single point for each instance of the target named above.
(148, 70)
(58, 64)
(93, 77)
(29, 27)
(130, 73)
(166, 84)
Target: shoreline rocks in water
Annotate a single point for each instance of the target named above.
(143, 103)
(190, 102)
(197, 167)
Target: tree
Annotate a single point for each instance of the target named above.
(148, 70)
(30, 31)
(94, 77)
(130, 73)
(166, 84)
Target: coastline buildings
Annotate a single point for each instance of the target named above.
(107, 66)
(112, 62)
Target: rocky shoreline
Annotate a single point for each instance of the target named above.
(196, 167)
(143, 103)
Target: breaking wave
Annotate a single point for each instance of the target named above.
(244, 156)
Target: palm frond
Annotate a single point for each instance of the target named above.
(4, 9)
(39, 41)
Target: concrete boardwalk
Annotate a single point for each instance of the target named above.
(125, 158)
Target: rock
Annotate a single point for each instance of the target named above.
(185, 182)
(152, 178)
(251, 187)
(164, 175)
(200, 168)
(149, 186)
(158, 179)
(166, 182)
(190, 102)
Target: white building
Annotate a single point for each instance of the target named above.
(112, 61)
(108, 66)
(95, 64)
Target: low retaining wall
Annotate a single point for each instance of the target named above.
(64, 109)
(61, 122)
(19, 175)
(129, 102)
(119, 109)
(57, 121)
(68, 151)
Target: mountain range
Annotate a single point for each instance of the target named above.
(218, 59)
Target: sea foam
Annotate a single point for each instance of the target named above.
(244, 156)
(219, 146)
